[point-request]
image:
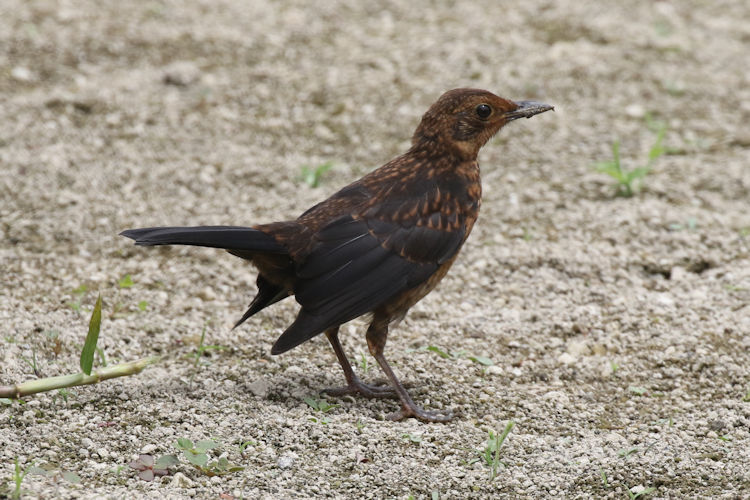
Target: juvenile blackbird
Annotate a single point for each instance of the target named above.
(378, 245)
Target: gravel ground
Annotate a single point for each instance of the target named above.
(618, 327)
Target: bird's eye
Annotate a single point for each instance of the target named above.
(483, 111)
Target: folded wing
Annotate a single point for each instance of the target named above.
(356, 266)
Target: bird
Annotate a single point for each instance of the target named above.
(375, 247)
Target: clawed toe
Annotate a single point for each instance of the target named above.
(362, 389)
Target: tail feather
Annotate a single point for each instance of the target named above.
(226, 237)
(268, 294)
(305, 327)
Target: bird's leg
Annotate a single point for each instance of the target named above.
(376, 337)
(353, 384)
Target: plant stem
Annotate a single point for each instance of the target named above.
(51, 383)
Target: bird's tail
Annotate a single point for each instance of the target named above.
(226, 237)
(244, 242)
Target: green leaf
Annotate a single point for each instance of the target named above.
(102, 358)
(205, 445)
(184, 443)
(245, 444)
(607, 167)
(506, 431)
(312, 175)
(126, 281)
(89, 346)
(439, 352)
(616, 155)
(80, 290)
(637, 173)
(199, 459)
(309, 177)
(37, 471)
(166, 460)
(320, 405)
(655, 152)
(625, 452)
(642, 493)
(312, 403)
(614, 172)
(412, 437)
(658, 149)
(142, 305)
(325, 407)
(482, 360)
(71, 477)
(637, 390)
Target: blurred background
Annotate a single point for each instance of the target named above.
(162, 99)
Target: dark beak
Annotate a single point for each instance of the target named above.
(527, 109)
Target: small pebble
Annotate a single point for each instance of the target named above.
(286, 461)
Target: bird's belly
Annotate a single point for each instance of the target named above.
(398, 306)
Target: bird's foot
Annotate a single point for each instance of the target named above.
(366, 390)
(421, 414)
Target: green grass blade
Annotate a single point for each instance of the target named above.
(125, 282)
(657, 149)
(482, 360)
(439, 352)
(508, 428)
(89, 347)
(637, 174)
(616, 156)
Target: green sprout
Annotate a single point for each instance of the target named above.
(312, 175)
(628, 182)
(322, 406)
(202, 347)
(78, 293)
(198, 458)
(18, 476)
(364, 365)
(125, 282)
(491, 453)
(642, 493)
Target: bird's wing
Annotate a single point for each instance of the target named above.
(358, 264)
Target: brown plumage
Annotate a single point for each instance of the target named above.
(376, 246)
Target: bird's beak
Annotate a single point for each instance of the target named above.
(527, 109)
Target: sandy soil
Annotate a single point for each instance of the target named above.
(618, 327)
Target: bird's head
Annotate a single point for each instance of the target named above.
(463, 120)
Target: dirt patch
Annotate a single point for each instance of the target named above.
(618, 327)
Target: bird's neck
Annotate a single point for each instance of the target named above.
(424, 168)
(448, 161)
(451, 150)
(455, 175)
